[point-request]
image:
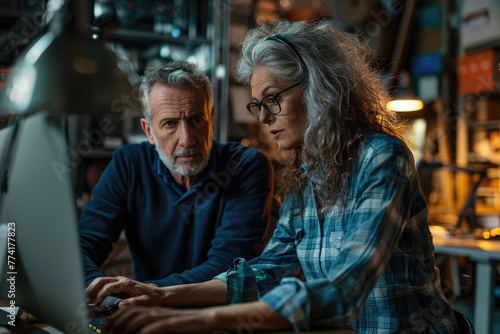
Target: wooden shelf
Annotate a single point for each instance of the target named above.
(482, 209)
(486, 125)
(144, 37)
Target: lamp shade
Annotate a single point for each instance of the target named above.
(405, 105)
(64, 72)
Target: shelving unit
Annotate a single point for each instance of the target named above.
(477, 129)
(141, 44)
(206, 33)
(20, 22)
(214, 35)
(433, 78)
(130, 36)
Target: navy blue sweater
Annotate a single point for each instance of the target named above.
(177, 236)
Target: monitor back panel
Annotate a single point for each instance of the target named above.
(39, 202)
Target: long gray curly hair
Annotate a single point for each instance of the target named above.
(344, 99)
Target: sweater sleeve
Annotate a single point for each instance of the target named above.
(102, 219)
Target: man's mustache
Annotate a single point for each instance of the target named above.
(188, 152)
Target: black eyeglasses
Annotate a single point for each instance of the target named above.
(270, 102)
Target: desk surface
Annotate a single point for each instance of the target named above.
(477, 248)
(486, 254)
(34, 328)
(330, 331)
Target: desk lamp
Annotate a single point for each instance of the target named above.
(64, 72)
(405, 102)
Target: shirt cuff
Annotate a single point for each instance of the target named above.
(222, 277)
(290, 299)
(241, 283)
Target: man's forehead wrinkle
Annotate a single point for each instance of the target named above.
(188, 104)
(186, 100)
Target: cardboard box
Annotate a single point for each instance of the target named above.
(430, 16)
(429, 40)
(487, 109)
(478, 72)
(428, 88)
(480, 23)
(428, 63)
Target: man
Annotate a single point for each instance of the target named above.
(188, 204)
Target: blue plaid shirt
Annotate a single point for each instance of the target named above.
(370, 269)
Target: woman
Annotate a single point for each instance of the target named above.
(352, 248)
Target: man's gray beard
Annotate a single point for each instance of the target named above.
(192, 168)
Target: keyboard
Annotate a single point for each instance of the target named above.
(99, 314)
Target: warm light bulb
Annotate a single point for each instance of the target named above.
(405, 105)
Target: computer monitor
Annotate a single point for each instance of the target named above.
(45, 270)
